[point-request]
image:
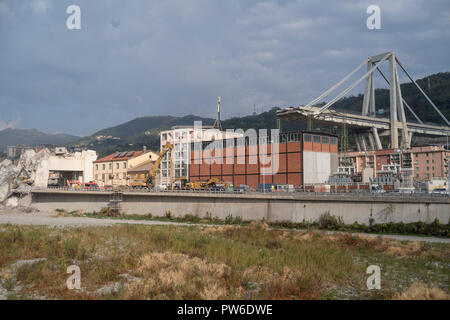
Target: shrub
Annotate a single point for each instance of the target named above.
(105, 211)
(237, 220)
(328, 221)
(229, 219)
(169, 214)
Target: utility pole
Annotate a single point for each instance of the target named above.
(448, 167)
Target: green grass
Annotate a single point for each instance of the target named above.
(326, 222)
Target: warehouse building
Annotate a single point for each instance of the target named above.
(295, 158)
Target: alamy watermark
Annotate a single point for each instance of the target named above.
(74, 281)
(374, 281)
(212, 146)
(73, 22)
(374, 20)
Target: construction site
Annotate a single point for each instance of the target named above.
(283, 170)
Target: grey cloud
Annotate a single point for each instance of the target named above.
(175, 57)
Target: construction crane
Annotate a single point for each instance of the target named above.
(153, 170)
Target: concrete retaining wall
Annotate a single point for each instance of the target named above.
(294, 208)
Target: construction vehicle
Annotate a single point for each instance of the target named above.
(152, 173)
(211, 184)
(138, 184)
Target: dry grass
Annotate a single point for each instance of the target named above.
(178, 276)
(217, 262)
(420, 291)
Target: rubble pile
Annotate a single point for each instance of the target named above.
(19, 177)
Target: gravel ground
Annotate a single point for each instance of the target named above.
(51, 219)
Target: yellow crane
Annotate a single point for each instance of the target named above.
(154, 169)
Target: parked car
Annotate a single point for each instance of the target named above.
(375, 188)
(440, 191)
(404, 191)
(242, 188)
(91, 186)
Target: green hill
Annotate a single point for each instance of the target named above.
(32, 137)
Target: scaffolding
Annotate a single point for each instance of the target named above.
(115, 200)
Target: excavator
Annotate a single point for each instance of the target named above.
(152, 173)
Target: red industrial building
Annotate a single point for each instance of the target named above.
(303, 158)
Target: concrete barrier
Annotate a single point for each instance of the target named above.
(296, 207)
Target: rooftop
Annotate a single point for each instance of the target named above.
(119, 156)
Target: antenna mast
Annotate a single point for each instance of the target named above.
(217, 123)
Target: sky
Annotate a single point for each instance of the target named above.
(175, 57)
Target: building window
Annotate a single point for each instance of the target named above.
(316, 139)
(325, 140)
(417, 168)
(110, 166)
(426, 154)
(428, 168)
(307, 138)
(124, 165)
(103, 166)
(333, 141)
(117, 165)
(96, 167)
(428, 161)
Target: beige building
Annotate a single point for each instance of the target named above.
(112, 170)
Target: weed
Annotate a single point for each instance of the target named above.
(168, 214)
(328, 221)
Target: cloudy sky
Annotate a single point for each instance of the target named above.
(174, 57)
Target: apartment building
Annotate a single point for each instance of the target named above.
(425, 162)
(112, 170)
